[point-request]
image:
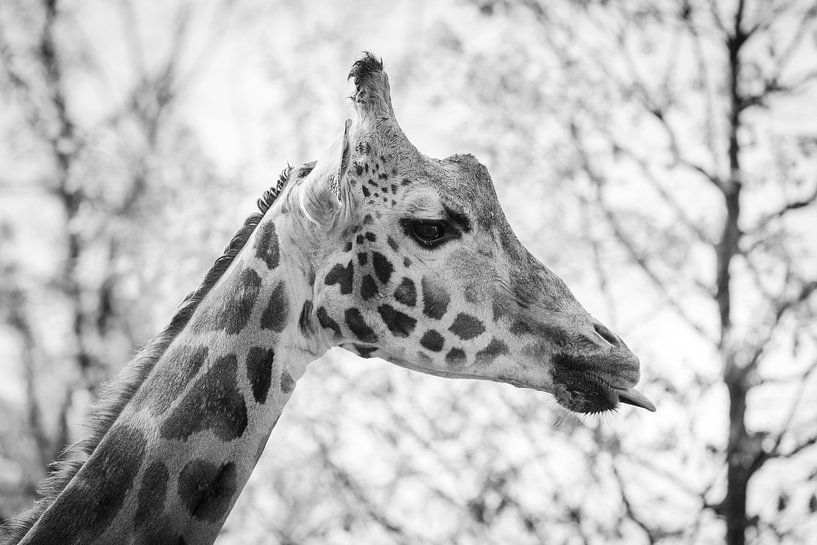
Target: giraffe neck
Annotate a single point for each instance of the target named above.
(173, 463)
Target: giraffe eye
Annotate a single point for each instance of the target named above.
(429, 233)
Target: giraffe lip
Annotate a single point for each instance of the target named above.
(631, 396)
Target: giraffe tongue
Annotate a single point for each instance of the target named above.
(634, 397)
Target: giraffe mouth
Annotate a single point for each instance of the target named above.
(582, 385)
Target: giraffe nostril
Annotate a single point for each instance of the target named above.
(606, 334)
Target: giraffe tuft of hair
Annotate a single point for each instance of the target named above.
(364, 68)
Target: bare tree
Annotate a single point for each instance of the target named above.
(707, 81)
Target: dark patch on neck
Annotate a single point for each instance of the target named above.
(368, 287)
(364, 351)
(150, 502)
(234, 313)
(342, 275)
(362, 258)
(358, 326)
(406, 293)
(213, 403)
(170, 377)
(266, 245)
(455, 358)
(488, 354)
(466, 326)
(432, 340)
(259, 371)
(159, 531)
(382, 267)
(275, 316)
(435, 299)
(97, 493)
(400, 324)
(287, 382)
(207, 489)
(327, 322)
(305, 319)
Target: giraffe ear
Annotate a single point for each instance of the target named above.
(325, 197)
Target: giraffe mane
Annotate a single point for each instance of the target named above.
(116, 394)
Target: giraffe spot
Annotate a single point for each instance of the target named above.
(348, 246)
(424, 358)
(287, 382)
(150, 502)
(382, 267)
(358, 326)
(472, 293)
(371, 237)
(274, 316)
(489, 353)
(234, 313)
(400, 324)
(362, 258)
(207, 490)
(358, 169)
(213, 403)
(159, 530)
(383, 176)
(303, 320)
(359, 239)
(368, 287)
(406, 293)
(455, 357)
(266, 245)
(435, 299)
(371, 181)
(368, 220)
(393, 244)
(466, 326)
(405, 181)
(432, 340)
(259, 371)
(93, 498)
(343, 276)
(394, 187)
(365, 351)
(327, 322)
(366, 192)
(406, 262)
(502, 305)
(170, 377)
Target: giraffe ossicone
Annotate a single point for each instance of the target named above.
(375, 248)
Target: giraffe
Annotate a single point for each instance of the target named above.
(375, 248)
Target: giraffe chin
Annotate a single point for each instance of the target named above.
(584, 391)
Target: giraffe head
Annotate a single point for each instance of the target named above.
(416, 263)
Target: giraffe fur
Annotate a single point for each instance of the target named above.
(375, 248)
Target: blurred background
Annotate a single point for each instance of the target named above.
(660, 156)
